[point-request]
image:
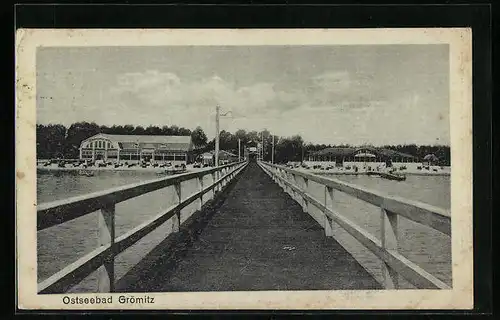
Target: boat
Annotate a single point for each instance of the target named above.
(392, 176)
(87, 173)
(175, 170)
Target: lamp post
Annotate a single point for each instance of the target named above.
(239, 149)
(262, 146)
(217, 119)
(302, 152)
(272, 155)
(217, 115)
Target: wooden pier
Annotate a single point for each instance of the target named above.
(256, 227)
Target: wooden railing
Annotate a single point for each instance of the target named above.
(58, 212)
(393, 264)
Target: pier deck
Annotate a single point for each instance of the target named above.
(257, 239)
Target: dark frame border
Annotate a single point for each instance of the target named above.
(477, 16)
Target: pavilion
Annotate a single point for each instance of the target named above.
(349, 155)
(117, 147)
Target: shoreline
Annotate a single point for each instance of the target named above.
(136, 169)
(364, 173)
(190, 169)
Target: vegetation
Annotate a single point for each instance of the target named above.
(57, 141)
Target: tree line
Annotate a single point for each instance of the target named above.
(57, 141)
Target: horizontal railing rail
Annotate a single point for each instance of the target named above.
(62, 211)
(394, 264)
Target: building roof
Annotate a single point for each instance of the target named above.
(347, 151)
(126, 141)
(339, 152)
(393, 154)
(431, 157)
(223, 154)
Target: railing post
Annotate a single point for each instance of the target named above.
(389, 239)
(305, 187)
(284, 177)
(289, 178)
(224, 179)
(214, 178)
(176, 218)
(328, 206)
(294, 182)
(200, 188)
(278, 176)
(106, 274)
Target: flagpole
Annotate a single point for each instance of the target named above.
(217, 108)
(272, 155)
(239, 149)
(262, 146)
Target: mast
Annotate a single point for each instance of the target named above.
(217, 109)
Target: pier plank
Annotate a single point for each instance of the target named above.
(259, 239)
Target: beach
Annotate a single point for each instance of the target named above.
(55, 168)
(445, 171)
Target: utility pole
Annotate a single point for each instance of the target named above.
(302, 153)
(217, 108)
(262, 146)
(272, 155)
(239, 149)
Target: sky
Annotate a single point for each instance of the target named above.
(335, 94)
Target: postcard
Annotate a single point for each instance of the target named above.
(203, 169)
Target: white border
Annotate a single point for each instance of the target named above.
(459, 39)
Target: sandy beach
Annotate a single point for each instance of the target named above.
(335, 171)
(54, 168)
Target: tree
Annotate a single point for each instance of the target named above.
(253, 137)
(139, 130)
(241, 134)
(227, 141)
(199, 137)
(184, 132)
(153, 131)
(165, 130)
(76, 133)
(50, 141)
(174, 130)
(128, 129)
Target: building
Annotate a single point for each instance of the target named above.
(207, 158)
(225, 157)
(360, 157)
(431, 159)
(117, 147)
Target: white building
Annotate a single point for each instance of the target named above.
(134, 148)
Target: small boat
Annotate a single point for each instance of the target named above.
(87, 173)
(372, 173)
(392, 176)
(175, 170)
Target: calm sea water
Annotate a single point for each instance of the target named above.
(422, 245)
(63, 244)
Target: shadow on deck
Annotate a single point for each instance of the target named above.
(255, 238)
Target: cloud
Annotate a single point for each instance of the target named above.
(345, 105)
(159, 90)
(153, 89)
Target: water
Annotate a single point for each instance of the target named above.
(422, 245)
(63, 244)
